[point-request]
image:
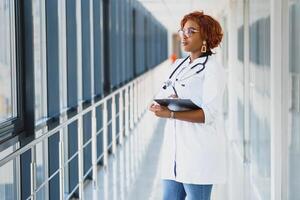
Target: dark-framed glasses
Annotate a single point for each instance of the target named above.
(187, 32)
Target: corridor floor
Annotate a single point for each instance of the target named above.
(133, 173)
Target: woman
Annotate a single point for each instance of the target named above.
(194, 141)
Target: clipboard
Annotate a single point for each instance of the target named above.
(181, 103)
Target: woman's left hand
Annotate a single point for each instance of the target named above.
(160, 111)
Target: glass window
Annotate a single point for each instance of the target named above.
(71, 53)
(239, 73)
(8, 108)
(41, 161)
(86, 50)
(52, 54)
(294, 91)
(7, 183)
(9, 180)
(260, 155)
(39, 59)
(98, 87)
(41, 169)
(41, 193)
(106, 45)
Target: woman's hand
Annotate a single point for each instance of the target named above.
(160, 111)
(173, 96)
(195, 116)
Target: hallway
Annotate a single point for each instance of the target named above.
(77, 78)
(137, 176)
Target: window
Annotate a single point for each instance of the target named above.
(294, 98)
(86, 50)
(239, 73)
(98, 28)
(71, 54)
(8, 108)
(260, 138)
(8, 176)
(52, 59)
(106, 46)
(10, 103)
(8, 181)
(38, 10)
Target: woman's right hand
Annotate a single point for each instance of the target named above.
(160, 111)
(153, 107)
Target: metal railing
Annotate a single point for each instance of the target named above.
(133, 100)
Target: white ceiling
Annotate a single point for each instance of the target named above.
(170, 12)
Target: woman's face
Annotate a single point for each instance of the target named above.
(193, 41)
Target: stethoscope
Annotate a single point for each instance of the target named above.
(169, 81)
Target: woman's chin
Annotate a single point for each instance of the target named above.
(186, 48)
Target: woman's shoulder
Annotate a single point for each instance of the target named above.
(213, 65)
(215, 68)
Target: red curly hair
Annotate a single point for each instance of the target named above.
(210, 29)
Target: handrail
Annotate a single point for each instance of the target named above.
(64, 124)
(132, 102)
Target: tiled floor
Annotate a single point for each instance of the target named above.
(133, 173)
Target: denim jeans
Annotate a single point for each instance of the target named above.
(173, 190)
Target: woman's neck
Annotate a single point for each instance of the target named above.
(195, 55)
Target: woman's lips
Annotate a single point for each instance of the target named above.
(184, 43)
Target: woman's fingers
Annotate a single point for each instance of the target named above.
(152, 109)
(173, 96)
(155, 107)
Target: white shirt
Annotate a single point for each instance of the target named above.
(199, 149)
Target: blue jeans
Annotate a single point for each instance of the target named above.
(173, 190)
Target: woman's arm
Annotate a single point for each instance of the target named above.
(196, 116)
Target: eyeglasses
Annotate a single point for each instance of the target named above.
(187, 32)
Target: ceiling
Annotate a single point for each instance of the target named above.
(170, 12)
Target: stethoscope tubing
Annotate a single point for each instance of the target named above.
(197, 72)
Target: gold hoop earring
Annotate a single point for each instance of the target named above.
(203, 48)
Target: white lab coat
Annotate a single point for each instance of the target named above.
(199, 149)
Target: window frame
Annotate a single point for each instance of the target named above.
(20, 129)
(15, 125)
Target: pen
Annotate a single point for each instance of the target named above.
(175, 91)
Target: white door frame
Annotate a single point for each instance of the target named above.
(279, 98)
